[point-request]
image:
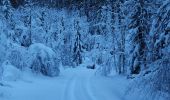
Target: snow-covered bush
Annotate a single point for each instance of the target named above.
(42, 60)
(10, 73)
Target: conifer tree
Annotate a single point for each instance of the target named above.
(139, 23)
(77, 50)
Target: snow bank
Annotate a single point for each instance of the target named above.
(43, 60)
(4, 94)
(10, 73)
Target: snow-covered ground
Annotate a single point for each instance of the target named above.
(72, 84)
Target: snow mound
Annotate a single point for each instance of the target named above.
(43, 60)
(10, 73)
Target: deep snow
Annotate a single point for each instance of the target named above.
(72, 84)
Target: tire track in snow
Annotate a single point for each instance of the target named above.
(83, 94)
(89, 89)
(76, 88)
(85, 87)
(69, 89)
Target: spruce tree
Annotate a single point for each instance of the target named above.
(77, 50)
(139, 23)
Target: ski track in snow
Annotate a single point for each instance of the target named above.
(72, 84)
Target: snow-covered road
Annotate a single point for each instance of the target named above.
(72, 84)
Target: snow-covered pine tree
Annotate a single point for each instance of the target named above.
(45, 24)
(67, 39)
(26, 40)
(7, 9)
(139, 23)
(160, 30)
(77, 50)
(7, 14)
(27, 37)
(161, 49)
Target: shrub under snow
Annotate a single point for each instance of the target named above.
(43, 60)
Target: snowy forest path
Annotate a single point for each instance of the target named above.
(82, 84)
(72, 84)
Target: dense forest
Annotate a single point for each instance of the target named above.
(128, 37)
